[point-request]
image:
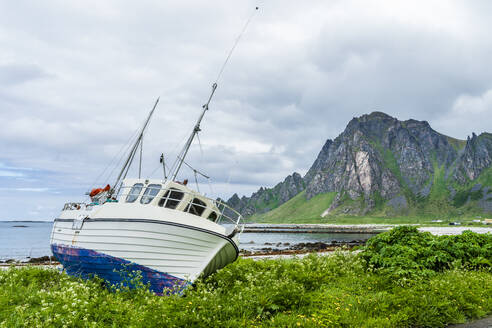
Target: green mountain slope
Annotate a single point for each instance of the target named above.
(297, 209)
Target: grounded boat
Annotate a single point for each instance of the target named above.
(162, 228)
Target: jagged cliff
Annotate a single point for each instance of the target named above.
(266, 199)
(379, 163)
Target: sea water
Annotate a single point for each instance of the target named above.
(21, 240)
(254, 241)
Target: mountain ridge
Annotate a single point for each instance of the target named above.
(381, 164)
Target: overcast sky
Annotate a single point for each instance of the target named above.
(78, 78)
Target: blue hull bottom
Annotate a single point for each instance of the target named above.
(86, 263)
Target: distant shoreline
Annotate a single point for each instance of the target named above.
(316, 228)
(355, 228)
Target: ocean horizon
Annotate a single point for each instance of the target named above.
(24, 239)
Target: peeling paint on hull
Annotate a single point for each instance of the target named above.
(85, 263)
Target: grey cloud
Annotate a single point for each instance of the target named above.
(300, 73)
(12, 74)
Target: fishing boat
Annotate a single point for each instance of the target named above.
(161, 229)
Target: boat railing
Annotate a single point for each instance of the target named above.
(220, 212)
(228, 215)
(74, 206)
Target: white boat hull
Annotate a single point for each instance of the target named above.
(169, 254)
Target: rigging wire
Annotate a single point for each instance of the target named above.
(173, 166)
(212, 192)
(220, 74)
(228, 182)
(158, 167)
(196, 172)
(129, 161)
(200, 145)
(235, 44)
(127, 145)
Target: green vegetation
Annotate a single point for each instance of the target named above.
(437, 203)
(463, 196)
(485, 177)
(271, 203)
(439, 190)
(435, 282)
(378, 201)
(405, 252)
(457, 144)
(391, 163)
(298, 209)
(465, 199)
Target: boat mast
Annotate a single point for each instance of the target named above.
(196, 129)
(129, 160)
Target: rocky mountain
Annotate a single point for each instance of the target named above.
(384, 165)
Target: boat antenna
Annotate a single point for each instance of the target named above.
(196, 129)
(163, 166)
(131, 155)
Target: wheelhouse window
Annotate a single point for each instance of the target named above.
(196, 207)
(212, 216)
(171, 198)
(134, 192)
(150, 192)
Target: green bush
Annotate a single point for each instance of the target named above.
(405, 252)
